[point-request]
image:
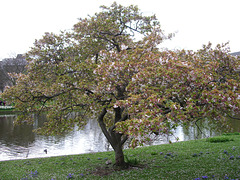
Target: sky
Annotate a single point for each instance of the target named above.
(194, 22)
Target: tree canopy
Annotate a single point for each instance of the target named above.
(110, 65)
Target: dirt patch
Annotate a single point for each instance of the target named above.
(103, 171)
(107, 170)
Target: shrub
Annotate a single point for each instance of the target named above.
(218, 139)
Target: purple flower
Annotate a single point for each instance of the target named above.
(197, 179)
(231, 157)
(225, 177)
(225, 152)
(33, 174)
(204, 177)
(70, 176)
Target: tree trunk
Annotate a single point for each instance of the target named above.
(119, 157)
(115, 139)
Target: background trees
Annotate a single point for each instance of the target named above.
(11, 65)
(110, 67)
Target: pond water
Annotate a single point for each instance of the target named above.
(19, 142)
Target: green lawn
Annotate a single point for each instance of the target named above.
(218, 158)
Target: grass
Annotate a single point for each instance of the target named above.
(197, 159)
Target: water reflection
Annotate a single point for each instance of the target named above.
(17, 135)
(19, 142)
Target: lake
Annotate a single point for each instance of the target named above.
(19, 142)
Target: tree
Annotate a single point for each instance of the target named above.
(2, 82)
(11, 65)
(64, 77)
(110, 67)
(187, 87)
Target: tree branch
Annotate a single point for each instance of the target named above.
(75, 105)
(236, 118)
(103, 126)
(198, 126)
(125, 138)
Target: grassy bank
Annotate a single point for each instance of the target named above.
(217, 158)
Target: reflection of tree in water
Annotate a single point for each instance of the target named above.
(88, 139)
(235, 125)
(40, 119)
(206, 128)
(21, 135)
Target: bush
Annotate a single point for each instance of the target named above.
(230, 134)
(218, 139)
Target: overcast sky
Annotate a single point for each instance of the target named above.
(196, 21)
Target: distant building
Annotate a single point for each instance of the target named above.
(235, 53)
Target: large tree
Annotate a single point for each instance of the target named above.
(110, 66)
